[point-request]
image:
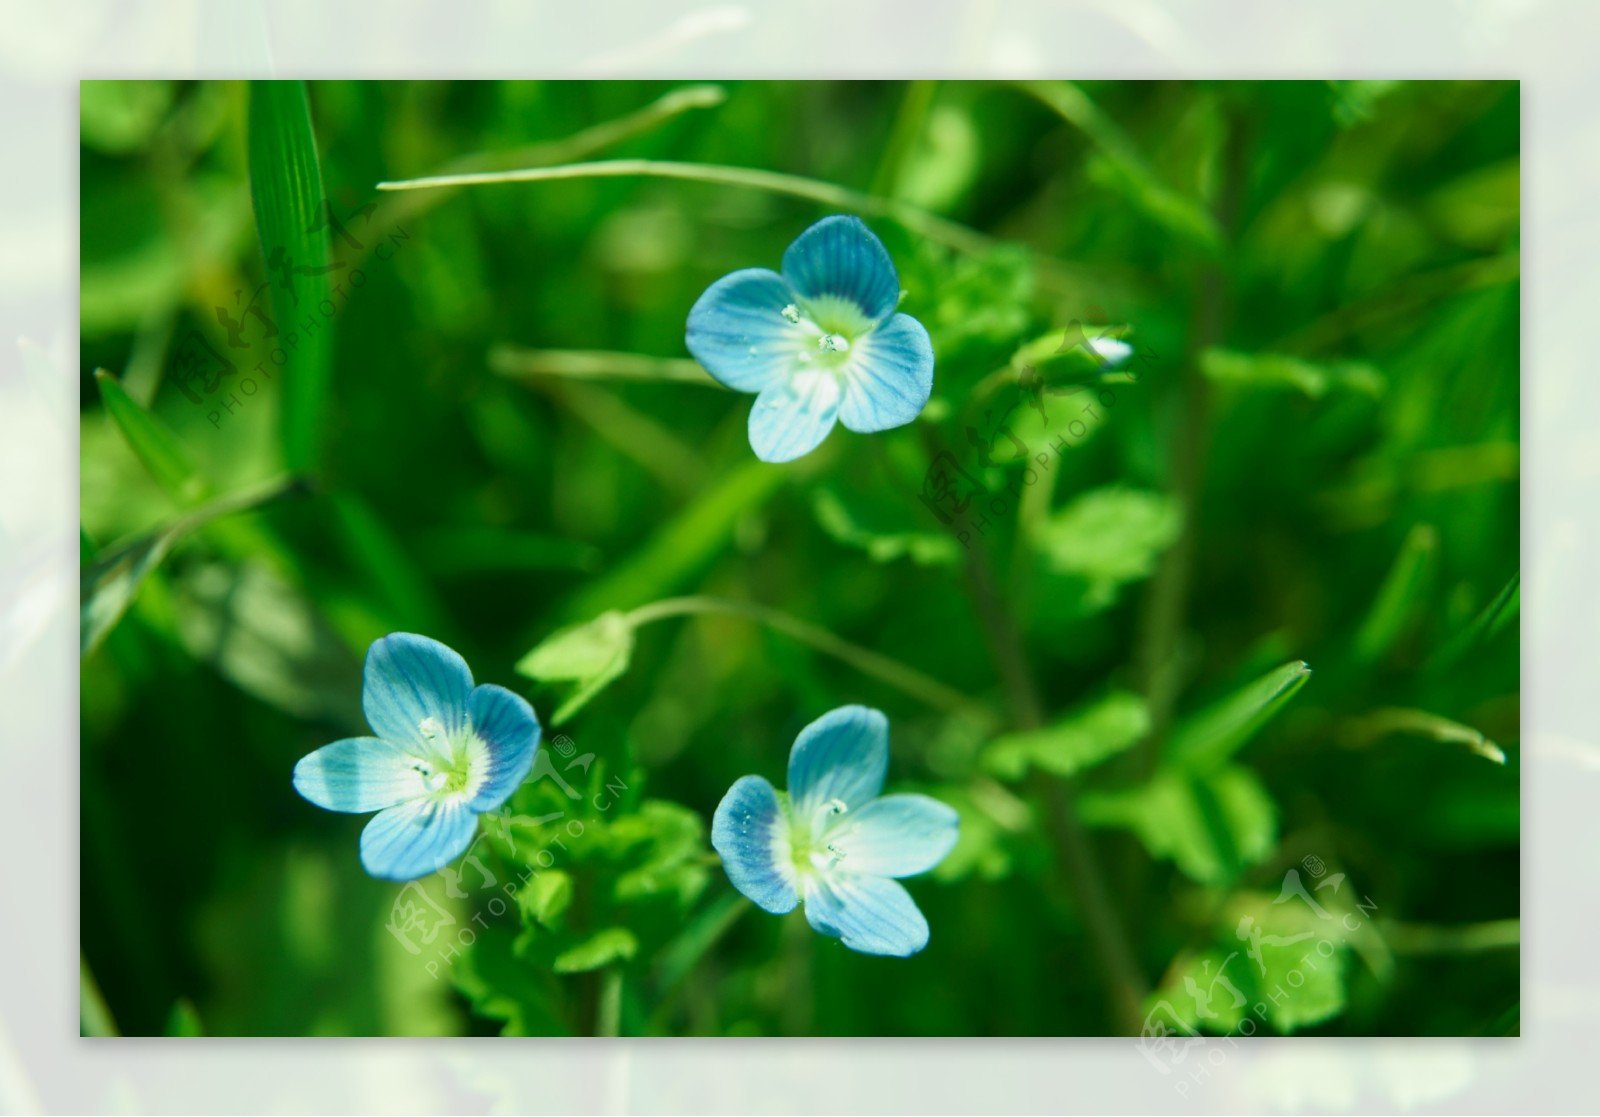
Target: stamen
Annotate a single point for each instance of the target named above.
(833, 343)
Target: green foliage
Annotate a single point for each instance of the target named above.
(1313, 459)
(1081, 740)
(292, 221)
(590, 655)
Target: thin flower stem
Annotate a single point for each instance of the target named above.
(918, 220)
(881, 667)
(1078, 861)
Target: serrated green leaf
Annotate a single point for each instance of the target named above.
(291, 220)
(613, 944)
(1208, 738)
(1079, 741)
(152, 441)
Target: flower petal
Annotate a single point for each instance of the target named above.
(417, 838)
(842, 755)
(895, 836)
(409, 679)
(357, 775)
(871, 914)
(738, 332)
(889, 376)
(792, 417)
(508, 726)
(751, 833)
(840, 257)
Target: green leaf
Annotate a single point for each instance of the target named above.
(387, 567)
(1503, 610)
(1081, 740)
(683, 546)
(680, 956)
(1212, 826)
(1109, 536)
(844, 524)
(502, 986)
(1118, 165)
(1403, 595)
(152, 441)
(1383, 723)
(1208, 738)
(613, 944)
(545, 897)
(1278, 370)
(592, 655)
(107, 585)
(291, 220)
(265, 636)
(184, 1020)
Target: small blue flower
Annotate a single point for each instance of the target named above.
(818, 344)
(831, 841)
(445, 752)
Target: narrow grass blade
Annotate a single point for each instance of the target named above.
(1206, 739)
(292, 221)
(107, 584)
(152, 441)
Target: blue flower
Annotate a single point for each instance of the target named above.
(445, 752)
(831, 841)
(818, 344)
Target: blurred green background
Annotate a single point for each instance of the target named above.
(494, 432)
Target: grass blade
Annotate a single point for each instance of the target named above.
(152, 441)
(291, 220)
(1210, 737)
(108, 583)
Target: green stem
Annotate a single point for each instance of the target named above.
(608, 1003)
(918, 220)
(590, 364)
(1078, 861)
(881, 667)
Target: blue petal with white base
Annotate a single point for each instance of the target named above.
(819, 344)
(833, 842)
(445, 752)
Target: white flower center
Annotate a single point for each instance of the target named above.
(455, 766)
(813, 850)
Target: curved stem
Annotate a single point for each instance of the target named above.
(881, 667)
(917, 220)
